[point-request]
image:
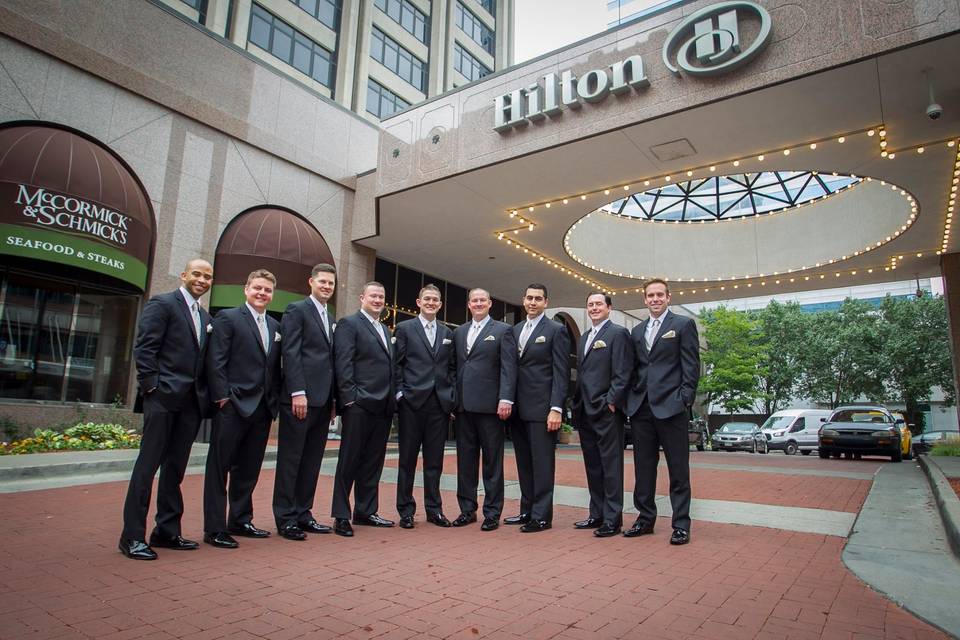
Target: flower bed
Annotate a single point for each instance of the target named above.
(87, 436)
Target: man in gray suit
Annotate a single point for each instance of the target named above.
(486, 383)
(599, 399)
(543, 374)
(666, 373)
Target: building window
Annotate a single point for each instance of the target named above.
(382, 102)
(326, 11)
(289, 45)
(490, 6)
(475, 29)
(468, 66)
(390, 54)
(405, 14)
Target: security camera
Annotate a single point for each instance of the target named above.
(934, 111)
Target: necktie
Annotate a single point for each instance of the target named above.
(525, 335)
(431, 334)
(195, 311)
(324, 322)
(262, 326)
(472, 335)
(590, 339)
(652, 333)
(383, 337)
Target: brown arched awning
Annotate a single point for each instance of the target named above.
(267, 238)
(69, 199)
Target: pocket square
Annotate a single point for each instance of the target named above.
(598, 344)
(669, 334)
(540, 339)
(489, 339)
(209, 328)
(276, 337)
(446, 341)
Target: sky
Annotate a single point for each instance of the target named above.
(545, 25)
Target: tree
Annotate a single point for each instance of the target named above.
(915, 352)
(732, 359)
(840, 356)
(783, 329)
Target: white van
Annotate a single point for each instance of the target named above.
(793, 430)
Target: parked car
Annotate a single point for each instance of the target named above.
(740, 436)
(793, 430)
(861, 430)
(925, 441)
(696, 434)
(906, 437)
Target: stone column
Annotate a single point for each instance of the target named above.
(950, 270)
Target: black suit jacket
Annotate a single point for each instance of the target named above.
(603, 374)
(489, 373)
(363, 365)
(668, 374)
(421, 369)
(307, 354)
(170, 362)
(543, 370)
(237, 367)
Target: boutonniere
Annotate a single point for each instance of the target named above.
(393, 340)
(669, 334)
(598, 344)
(489, 339)
(540, 339)
(209, 328)
(333, 327)
(446, 341)
(276, 337)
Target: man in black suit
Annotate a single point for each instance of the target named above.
(363, 365)
(169, 355)
(543, 374)
(599, 400)
(243, 369)
(486, 383)
(426, 369)
(306, 405)
(666, 372)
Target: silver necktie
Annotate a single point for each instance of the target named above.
(652, 333)
(590, 339)
(431, 334)
(264, 336)
(525, 335)
(196, 319)
(472, 335)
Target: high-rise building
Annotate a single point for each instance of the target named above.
(374, 57)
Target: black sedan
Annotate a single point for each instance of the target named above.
(925, 441)
(740, 436)
(861, 430)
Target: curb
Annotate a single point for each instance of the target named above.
(947, 502)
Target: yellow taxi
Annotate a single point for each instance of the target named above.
(906, 437)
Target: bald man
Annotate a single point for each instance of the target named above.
(169, 353)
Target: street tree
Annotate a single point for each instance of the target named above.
(783, 328)
(733, 360)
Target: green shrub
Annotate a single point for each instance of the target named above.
(87, 436)
(949, 447)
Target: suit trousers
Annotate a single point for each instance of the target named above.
(476, 433)
(601, 440)
(649, 434)
(534, 449)
(300, 448)
(424, 427)
(363, 446)
(167, 439)
(237, 445)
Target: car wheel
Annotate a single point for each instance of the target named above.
(897, 456)
(909, 454)
(790, 448)
(701, 444)
(848, 456)
(766, 448)
(835, 454)
(823, 454)
(805, 452)
(754, 450)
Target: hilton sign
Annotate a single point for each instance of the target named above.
(712, 34)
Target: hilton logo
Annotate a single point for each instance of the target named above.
(714, 34)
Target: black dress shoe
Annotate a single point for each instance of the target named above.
(523, 518)
(247, 530)
(639, 528)
(464, 519)
(589, 523)
(607, 529)
(534, 526)
(221, 540)
(341, 527)
(177, 543)
(489, 524)
(438, 519)
(292, 532)
(315, 527)
(406, 522)
(137, 550)
(680, 536)
(373, 520)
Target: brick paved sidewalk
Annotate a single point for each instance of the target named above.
(62, 577)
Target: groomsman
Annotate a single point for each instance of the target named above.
(666, 373)
(426, 368)
(363, 366)
(169, 354)
(306, 406)
(243, 369)
(486, 383)
(543, 373)
(603, 376)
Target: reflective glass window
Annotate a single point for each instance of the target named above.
(291, 46)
